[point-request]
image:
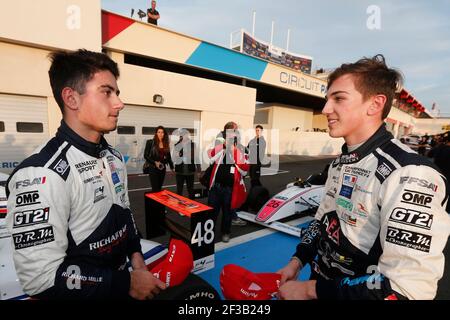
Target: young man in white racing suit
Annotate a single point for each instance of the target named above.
(68, 207)
(381, 227)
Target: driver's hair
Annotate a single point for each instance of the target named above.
(74, 69)
(371, 77)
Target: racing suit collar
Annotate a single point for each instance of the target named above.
(92, 149)
(380, 137)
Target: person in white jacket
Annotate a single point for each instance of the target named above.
(68, 207)
(381, 227)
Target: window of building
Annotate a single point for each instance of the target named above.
(30, 127)
(2, 126)
(126, 130)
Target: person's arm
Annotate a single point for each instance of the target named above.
(196, 157)
(148, 152)
(153, 16)
(240, 160)
(414, 231)
(169, 160)
(40, 235)
(39, 230)
(262, 148)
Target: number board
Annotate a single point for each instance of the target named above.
(202, 240)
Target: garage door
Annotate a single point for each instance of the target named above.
(138, 123)
(23, 128)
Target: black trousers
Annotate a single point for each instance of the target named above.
(157, 179)
(155, 213)
(255, 174)
(189, 184)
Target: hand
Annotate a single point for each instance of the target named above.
(290, 271)
(137, 261)
(298, 290)
(159, 165)
(144, 285)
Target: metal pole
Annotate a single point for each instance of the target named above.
(254, 22)
(288, 38)
(271, 35)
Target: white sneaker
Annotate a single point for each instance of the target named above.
(225, 237)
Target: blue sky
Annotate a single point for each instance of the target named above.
(413, 35)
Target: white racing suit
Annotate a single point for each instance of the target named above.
(381, 227)
(69, 216)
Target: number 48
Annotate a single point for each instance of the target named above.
(208, 235)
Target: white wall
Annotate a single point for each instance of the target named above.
(430, 126)
(306, 143)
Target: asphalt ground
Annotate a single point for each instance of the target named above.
(290, 168)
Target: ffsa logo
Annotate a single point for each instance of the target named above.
(30, 182)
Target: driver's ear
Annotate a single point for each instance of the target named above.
(377, 105)
(70, 98)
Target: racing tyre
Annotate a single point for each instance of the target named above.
(193, 288)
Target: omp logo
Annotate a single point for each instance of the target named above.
(420, 182)
(409, 239)
(28, 182)
(412, 218)
(61, 167)
(27, 198)
(30, 217)
(417, 198)
(384, 170)
(201, 295)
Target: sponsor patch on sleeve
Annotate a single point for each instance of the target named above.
(33, 238)
(409, 239)
(31, 217)
(411, 217)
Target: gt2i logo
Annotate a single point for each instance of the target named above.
(420, 182)
(412, 218)
(30, 217)
(33, 238)
(28, 182)
(409, 239)
(417, 198)
(27, 198)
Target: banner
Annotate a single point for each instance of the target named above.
(274, 54)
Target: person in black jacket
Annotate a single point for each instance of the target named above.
(256, 149)
(157, 155)
(186, 162)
